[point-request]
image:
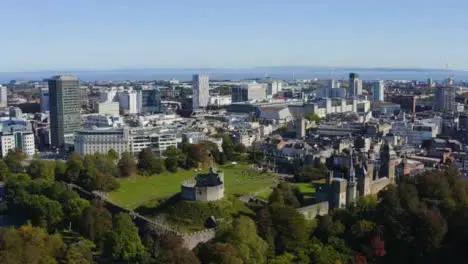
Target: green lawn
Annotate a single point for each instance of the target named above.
(308, 190)
(138, 190)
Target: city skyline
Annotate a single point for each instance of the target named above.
(91, 35)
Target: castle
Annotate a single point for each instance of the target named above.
(357, 174)
(204, 187)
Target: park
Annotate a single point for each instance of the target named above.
(137, 190)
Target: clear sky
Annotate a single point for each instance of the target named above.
(112, 34)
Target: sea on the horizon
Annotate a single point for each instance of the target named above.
(284, 73)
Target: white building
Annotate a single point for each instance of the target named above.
(378, 91)
(108, 108)
(16, 135)
(108, 96)
(249, 92)
(45, 100)
(128, 101)
(220, 100)
(201, 91)
(98, 120)
(330, 106)
(134, 140)
(355, 85)
(274, 87)
(3, 96)
(445, 99)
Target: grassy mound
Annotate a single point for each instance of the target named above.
(190, 216)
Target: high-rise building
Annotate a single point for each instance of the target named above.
(445, 99)
(45, 99)
(201, 90)
(3, 96)
(378, 91)
(128, 101)
(65, 106)
(249, 92)
(274, 87)
(430, 83)
(355, 85)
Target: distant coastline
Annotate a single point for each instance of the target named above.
(285, 73)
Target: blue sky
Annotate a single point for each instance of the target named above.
(111, 34)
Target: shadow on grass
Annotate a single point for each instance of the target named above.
(162, 206)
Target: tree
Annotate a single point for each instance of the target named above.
(29, 244)
(60, 169)
(127, 164)
(123, 242)
(240, 148)
(228, 146)
(14, 160)
(74, 168)
(4, 171)
(169, 249)
(174, 158)
(310, 173)
(96, 221)
(42, 169)
(113, 155)
(243, 237)
(148, 163)
(312, 117)
(290, 228)
(79, 253)
(218, 253)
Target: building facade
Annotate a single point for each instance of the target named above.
(355, 85)
(274, 87)
(378, 91)
(201, 90)
(65, 106)
(445, 99)
(17, 135)
(45, 100)
(3, 96)
(124, 139)
(249, 92)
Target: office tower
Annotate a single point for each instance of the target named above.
(3, 96)
(333, 84)
(449, 81)
(128, 102)
(274, 87)
(378, 91)
(201, 90)
(45, 99)
(249, 92)
(430, 83)
(355, 85)
(445, 99)
(149, 100)
(300, 128)
(65, 106)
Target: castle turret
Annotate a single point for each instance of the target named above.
(387, 163)
(351, 190)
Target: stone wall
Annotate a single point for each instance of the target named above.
(143, 223)
(193, 239)
(312, 211)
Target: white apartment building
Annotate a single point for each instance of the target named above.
(201, 90)
(3, 96)
(330, 106)
(17, 135)
(220, 100)
(274, 87)
(134, 140)
(128, 101)
(45, 100)
(108, 108)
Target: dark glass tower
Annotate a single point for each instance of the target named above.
(64, 96)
